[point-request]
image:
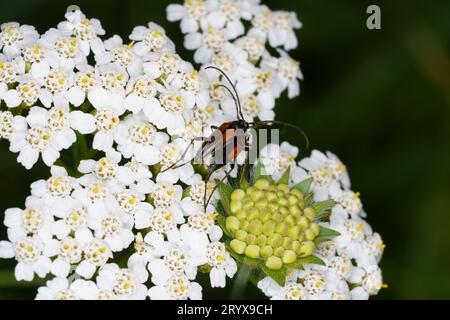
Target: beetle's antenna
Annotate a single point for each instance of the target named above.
(238, 106)
(286, 124)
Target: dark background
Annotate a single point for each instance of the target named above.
(379, 99)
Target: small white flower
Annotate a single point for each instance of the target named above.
(124, 283)
(138, 138)
(6, 124)
(276, 159)
(28, 251)
(205, 44)
(32, 137)
(56, 289)
(85, 30)
(222, 264)
(190, 14)
(14, 37)
(62, 51)
(151, 39)
(177, 287)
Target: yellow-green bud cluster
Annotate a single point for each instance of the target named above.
(269, 221)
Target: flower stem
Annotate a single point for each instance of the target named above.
(241, 281)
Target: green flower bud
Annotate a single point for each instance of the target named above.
(279, 251)
(266, 251)
(294, 232)
(237, 194)
(262, 240)
(284, 211)
(283, 201)
(247, 204)
(280, 194)
(278, 217)
(287, 243)
(295, 246)
(250, 190)
(315, 228)
(256, 195)
(295, 210)
(303, 222)
(235, 205)
(238, 246)
(255, 227)
(310, 213)
(232, 224)
(271, 196)
(274, 263)
(301, 203)
(283, 187)
(252, 251)
(252, 214)
(297, 193)
(250, 239)
(290, 220)
(289, 256)
(275, 240)
(306, 249)
(264, 215)
(282, 228)
(261, 204)
(273, 207)
(292, 199)
(241, 214)
(309, 235)
(262, 184)
(244, 225)
(269, 227)
(240, 235)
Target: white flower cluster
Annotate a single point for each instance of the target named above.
(351, 259)
(119, 226)
(215, 29)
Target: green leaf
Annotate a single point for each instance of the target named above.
(285, 177)
(225, 193)
(278, 275)
(221, 221)
(326, 234)
(251, 262)
(298, 264)
(304, 186)
(259, 171)
(323, 206)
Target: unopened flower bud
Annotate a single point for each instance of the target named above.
(238, 246)
(274, 263)
(289, 256)
(232, 224)
(310, 213)
(262, 184)
(252, 251)
(237, 194)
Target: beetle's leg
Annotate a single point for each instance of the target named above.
(206, 202)
(176, 164)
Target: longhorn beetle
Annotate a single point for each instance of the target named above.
(227, 141)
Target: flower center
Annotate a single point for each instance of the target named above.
(176, 260)
(97, 192)
(195, 9)
(76, 219)
(155, 40)
(252, 46)
(288, 68)
(124, 282)
(69, 251)
(59, 186)
(213, 39)
(38, 138)
(58, 119)
(172, 103)
(32, 220)
(169, 155)
(163, 195)
(178, 287)
(143, 133)
(85, 30)
(128, 201)
(217, 255)
(97, 252)
(105, 169)
(144, 87)
(29, 91)
(85, 80)
(224, 61)
(7, 72)
(106, 120)
(6, 126)
(10, 34)
(162, 221)
(123, 55)
(27, 250)
(67, 47)
(111, 225)
(192, 82)
(56, 81)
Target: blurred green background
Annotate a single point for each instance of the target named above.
(379, 99)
